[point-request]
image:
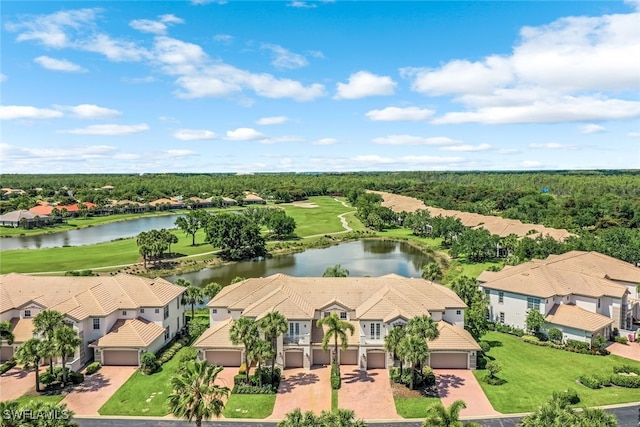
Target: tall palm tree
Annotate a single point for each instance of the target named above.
(414, 349)
(66, 341)
(211, 290)
(261, 351)
(45, 323)
(195, 394)
(431, 271)
(245, 331)
(32, 352)
(272, 326)
(336, 328)
(392, 341)
(297, 418)
(336, 271)
(439, 416)
(193, 296)
(424, 327)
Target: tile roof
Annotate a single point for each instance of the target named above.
(131, 333)
(217, 336)
(22, 329)
(583, 273)
(82, 297)
(452, 338)
(577, 317)
(16, 216)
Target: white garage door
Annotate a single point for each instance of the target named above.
(293, 359)
(348, 357)
(120, 357)
(375, 360)
(448, 360)
(224, 358)
(321, 357)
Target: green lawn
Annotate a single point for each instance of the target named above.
(51, 398)
(414, 407)
(534, 372)
(320, 220)
(463, 268)
(405, 233)
(249, 406)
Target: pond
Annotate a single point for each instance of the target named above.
(361, 258)
(90, 235)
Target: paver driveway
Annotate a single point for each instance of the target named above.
(309, 390)
(88, 397)
(630, 351)
(367, 393)
(16, 382)
(454, 384)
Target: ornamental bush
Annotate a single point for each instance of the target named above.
(626, 381)
(555, 334)
(335, 376)
(148, 363)
(622, 340)
(93, 368)
(7, 365)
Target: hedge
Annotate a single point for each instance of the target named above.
(335, 376)
(7, 365)
(625, 381)
(93, 368)
(253, 389)
(590, 381)
(627, 369)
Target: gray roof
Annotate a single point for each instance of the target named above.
(16, 216)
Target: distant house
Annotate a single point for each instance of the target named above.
(107, 187)
(73, 210)
(253, 199)
(227, 201)
(128, 206)
(165, 204)
(198, 203)
(23, 218)
(9, 191)
(581, 293)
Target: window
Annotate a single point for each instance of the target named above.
(294, 329)
(343, 315)
(27, 313)
(500, 297)
(501, 317)
(178, 303)
(598, 302)
(142, 310)
(458, 312)
(327, 314)
(214, 311)
(166, 311)
(487, 292)
(375, 331)
(124, 312)
(533, 303)
(157, 311)
(167, 333)
(96, 323)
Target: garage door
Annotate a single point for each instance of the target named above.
(293, 359)
(448, 360)
(120, 357)
(321, 357)
(5, 353)
(224, 358)
(348, 357)
(375, 360)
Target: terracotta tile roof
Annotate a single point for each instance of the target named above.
(577, 318)
(252, 197)
(82, 297)
(452, 338)
(47, 209)
(16, 216)
(582, 273)
(217, 336)
(131, 333)
(22, 329)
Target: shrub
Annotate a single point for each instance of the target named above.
(394, 374)
(240, 379)
(622, 340)
(243, 369)
(335, 376)
(485, 347)
(579, 345)
(47, 378)
(189, 355)
(590, 381)
(253, 389)
(627, 369)
(428, 378)
(531, 339)
(7, 365)
(555, 334)
(509, 329)
(93, 368)
(493, 380)
(76, 377)
(625, 381)
(148, 363)
(493, 368)
(405, 377)
(600, 343)
(569, 396)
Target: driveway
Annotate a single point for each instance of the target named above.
(630, 351)
(88, 397)
(460, 384)
(367, 393)
(309, 390)
(16, 382)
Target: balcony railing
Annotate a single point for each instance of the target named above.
(297, 339)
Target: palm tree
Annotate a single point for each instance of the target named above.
(195, 395)
(340, 417)
(439, 416)
(414, 349)
(261, 351)
(431, 271)
(32, 352)
(336, 328)
(424, 327)
(245, 331)
(272, 326)
(296, 418)
(193, 296)
(596, 417)
(336, 271)
(392, 342)
(66, 341)
(211, 290)
(45, 323)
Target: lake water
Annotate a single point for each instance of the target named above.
(361, 258)
(90, 235)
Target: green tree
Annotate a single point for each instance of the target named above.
(66, 341)
(192, 222)
(335, 271)
(336, 329)
(281, 224)
(211, 290)
(245, 331)
(261, 351)
(475, 319)
(555, 335)
(6, 334)
(431, 271)
(392, 341)
(337, 418)
(33, 351)
(46, 322)
(423, 327)
(63, 418)
(419, 222)
(535, 320)
(237, 237)
(558, 413)
(272, 325)
(440, 416)
(196, 396)
(493, 368)
(237, 279)
(296, 418)
(415, 350)
(192, 296)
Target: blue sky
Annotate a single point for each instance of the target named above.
(269, 86)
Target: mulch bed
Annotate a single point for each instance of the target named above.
(400, 390)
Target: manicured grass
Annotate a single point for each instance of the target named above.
(320, 220)
(534, 372)
(334, 400)
(405, 233)
(144, 394)
(414, 407)
(51, 398)
(249, 406)
(464, 268)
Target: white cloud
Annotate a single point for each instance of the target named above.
(170, 18)
(413, 160)
(51, 30)
(392, 114)
(414, 140)
(244, 134)
(148, 26)
(302, 4)
(275, 120)
(634, 134)
(114, 50)
(193, 134)
(467, 147)
(363, 84)
(591, 128)
(56, 153)
(284, 59)
(530, 163)
(326, 141)
(58, 64)
(108, 130)
(89, 111)
(12, 112)
(223, 38)
(179, 153)
(553, 146)
(279, 139)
